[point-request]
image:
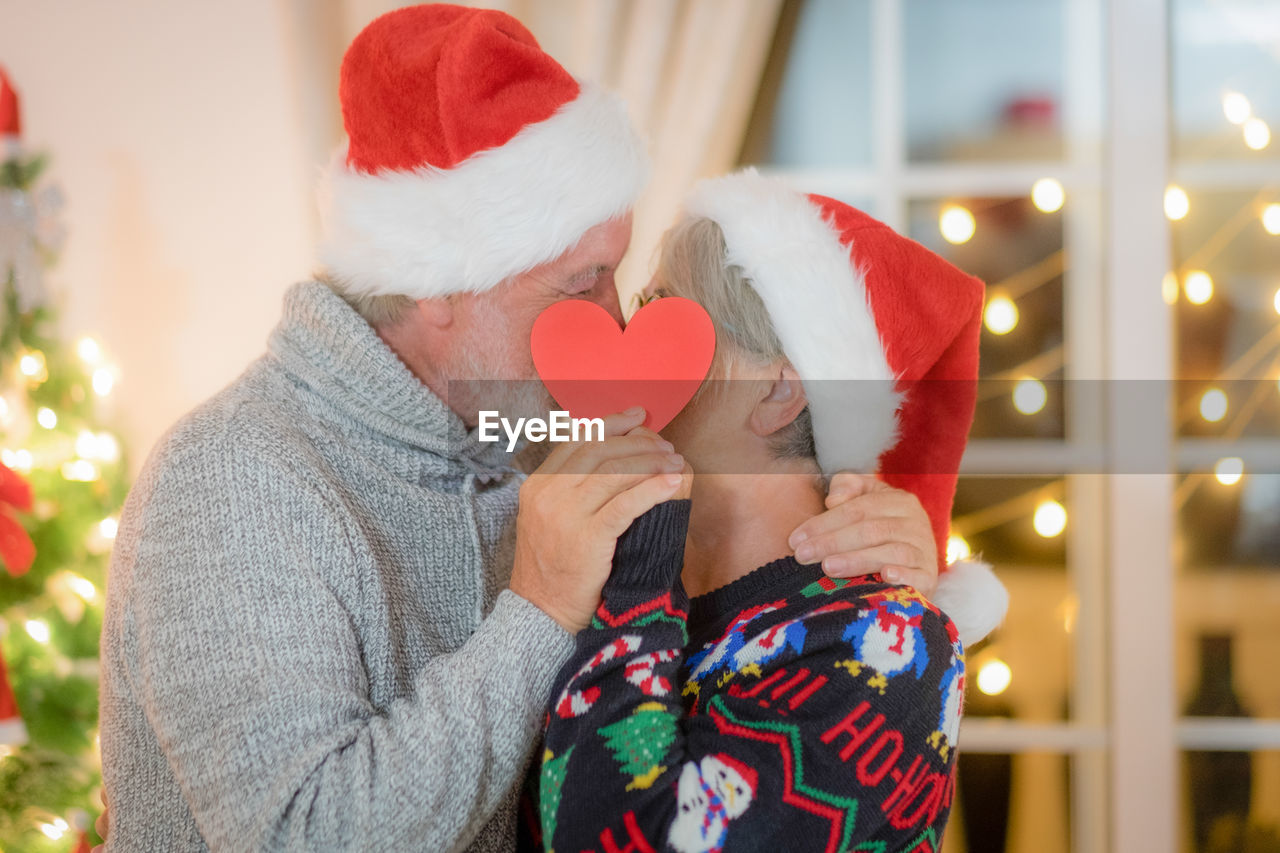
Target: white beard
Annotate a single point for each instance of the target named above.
(481, 376)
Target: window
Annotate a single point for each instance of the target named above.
(1049, 147)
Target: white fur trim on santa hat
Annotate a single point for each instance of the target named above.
(498, 213)
(817, 300)
(975, 599)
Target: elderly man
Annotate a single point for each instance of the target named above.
(321, 632)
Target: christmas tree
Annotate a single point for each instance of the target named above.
(51, 396)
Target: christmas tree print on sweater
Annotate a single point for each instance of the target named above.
(640, 742)
(785, 711)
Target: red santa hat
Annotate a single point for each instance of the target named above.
(471, 156)
(884, 334)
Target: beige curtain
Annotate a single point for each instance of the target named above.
(689, 69)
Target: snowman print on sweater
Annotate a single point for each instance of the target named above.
(711, 793)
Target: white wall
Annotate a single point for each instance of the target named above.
(177, 135)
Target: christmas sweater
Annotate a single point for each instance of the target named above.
(784, 711)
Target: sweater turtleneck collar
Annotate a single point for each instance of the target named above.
(328, 346)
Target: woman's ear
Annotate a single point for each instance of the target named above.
(782, 403)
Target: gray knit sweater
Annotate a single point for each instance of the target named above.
(306, 642)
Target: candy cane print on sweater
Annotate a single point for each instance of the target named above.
(575, 703)
(640, 671)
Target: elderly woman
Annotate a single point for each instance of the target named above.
(778, 709)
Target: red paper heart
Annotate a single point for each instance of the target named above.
(594, 368)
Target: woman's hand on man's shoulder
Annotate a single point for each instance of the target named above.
(870, 527)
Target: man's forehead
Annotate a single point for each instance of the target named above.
(594, 253)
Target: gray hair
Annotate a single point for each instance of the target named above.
(378, 310)
(694, 264)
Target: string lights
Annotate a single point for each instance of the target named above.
(994, 677)
(1029, 396)
(1050, 519)
(100, 446)
(1001, 315)
(1236, 107)
(1229, 471)
(957, 224)
(56, 829)
(1176, 203)
(38, 629)
(89, 351)
(103, 381)
(1198, 286)
(957, 548)
(32, 365)
(1257, 135)
(1239, 421)
(1213, 405)
(1271, 219)
(82, 587)
(1048, 195)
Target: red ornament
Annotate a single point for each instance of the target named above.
(14, 490)
(16, 548)
(594, 368)
(13, 732)
(10, 118)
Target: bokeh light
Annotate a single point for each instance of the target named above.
(1198, 286)
(89, 350)
(1213, 405)
(957, 548)
(1048, 195)
(1050, 519)
(38, 629)
(1236, 107)
(994, 677)
(1256, 134)
(1271, 219)
(1029, 396)
(957, 224)
(1229, 471)
(1000, 315)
